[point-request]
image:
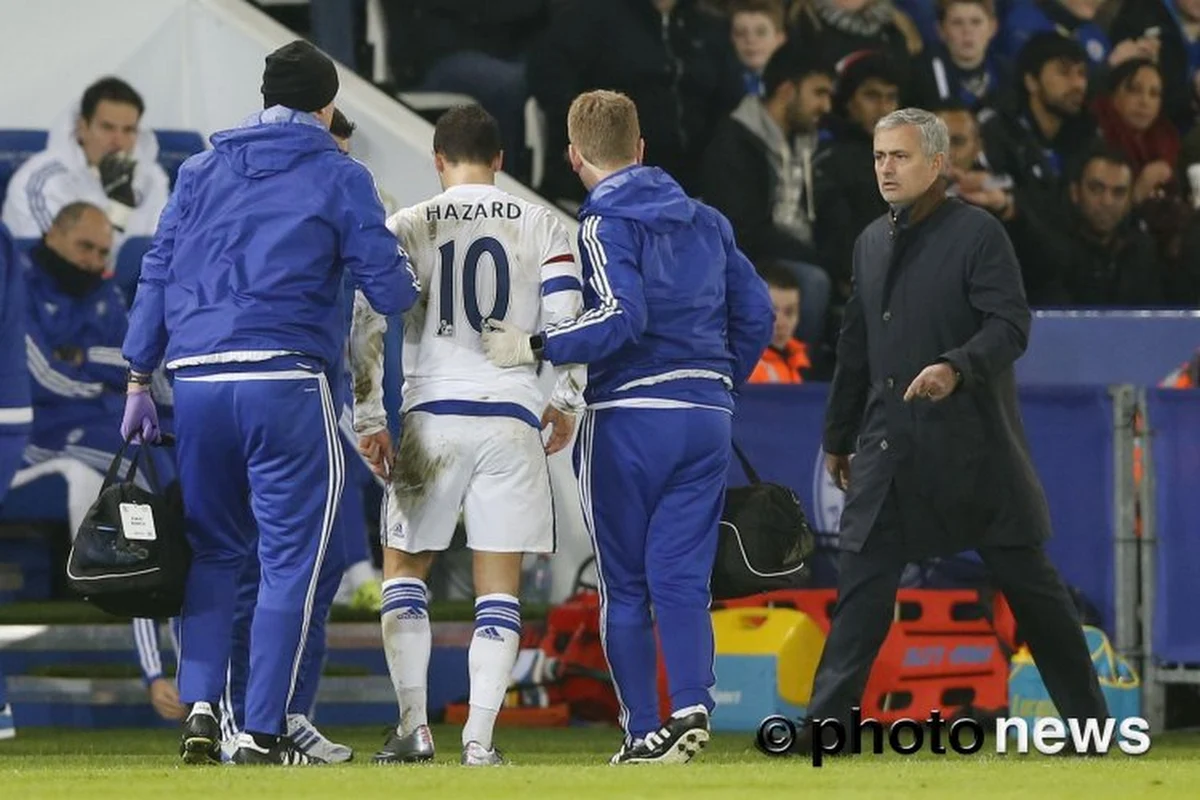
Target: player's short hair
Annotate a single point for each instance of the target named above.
(1097, 151)
(69, 215)
(935, 137)
(943, 7)
(777, 276)
(772, 9)
(603, 126)
(341, 126)
(112, 89)
(793, 62)
(467, 135)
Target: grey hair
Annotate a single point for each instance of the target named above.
(935, 137)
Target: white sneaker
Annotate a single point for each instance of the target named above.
(474, 755)
(313, 744)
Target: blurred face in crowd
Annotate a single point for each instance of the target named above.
(805, 103)
(873, 101)
(902, 169)
(755, 38)
(965, 146)
(1060, 87)
(787, 314)
(967, 30)
(1103, 195)
(1083, 9)
(86, 244)
(1139, 100)
(1188, 9)
(112, 128)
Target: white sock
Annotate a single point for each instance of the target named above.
(490, 659)
(407, 642)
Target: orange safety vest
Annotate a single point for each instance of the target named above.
(782, 366)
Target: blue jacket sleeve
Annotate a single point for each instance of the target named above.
(751, 313)
(145, 639)
(617, 314)
(103, 361)
(370, 251)
(55, 380)
(146, 337)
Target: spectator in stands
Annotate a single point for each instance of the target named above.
(786, 358)
(1131, 120)
(672, 59)
(966, 145)
(1074, 18)
(102, 158)
(768, 145)
(1034, 140)
(923, 14)
(1176, 25)
(75, 324)
(847, 197)
(959, 67)
(838, 28)
(757, 30)
(1104, 258)
(473, 47)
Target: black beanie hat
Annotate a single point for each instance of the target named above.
(299, 76)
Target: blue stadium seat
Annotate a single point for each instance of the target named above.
(15, 147)
(175, 147)
(129, 264)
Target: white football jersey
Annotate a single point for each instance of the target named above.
(480, 253)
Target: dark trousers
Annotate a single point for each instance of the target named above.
(867, 587)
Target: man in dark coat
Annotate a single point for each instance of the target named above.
(924, 398)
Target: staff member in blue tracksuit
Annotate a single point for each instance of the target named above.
(16, 411)
(675, 320)
(242, 289)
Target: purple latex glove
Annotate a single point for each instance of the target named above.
(140, 416)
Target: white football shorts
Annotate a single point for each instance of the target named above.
(492, 470)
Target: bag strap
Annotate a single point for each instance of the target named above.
(151, 471)
(745, 462)
(114, 468)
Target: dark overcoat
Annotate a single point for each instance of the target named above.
(938, 281)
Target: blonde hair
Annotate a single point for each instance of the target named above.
(603, 126)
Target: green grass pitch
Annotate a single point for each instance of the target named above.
(571, 763)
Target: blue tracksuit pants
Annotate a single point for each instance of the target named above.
(257, 448)
(12, 448)
(652, 485)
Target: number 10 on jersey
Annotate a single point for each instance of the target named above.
(466, 275)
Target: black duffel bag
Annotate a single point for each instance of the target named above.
(765, 539)
(130, 556)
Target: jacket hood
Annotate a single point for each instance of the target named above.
(645, 194)
(272, 141)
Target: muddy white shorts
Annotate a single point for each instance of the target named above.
(491, 470)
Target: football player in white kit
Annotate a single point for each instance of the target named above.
(470, 438)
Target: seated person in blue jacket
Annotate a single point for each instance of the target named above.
(75, 324)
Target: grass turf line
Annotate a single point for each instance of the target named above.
(571, 763)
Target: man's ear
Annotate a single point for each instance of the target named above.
(498, 162)
(439, 163)
(641, 149)
(575, 159)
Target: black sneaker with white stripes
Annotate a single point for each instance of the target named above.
(283, 753)
(676, 742)
(200, 742)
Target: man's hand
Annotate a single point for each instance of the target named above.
(377, 450)
(838, 468)
(116, 175)
(141, 416)
(165, 699)
(935, 382)
(562, 426)
(506, 345)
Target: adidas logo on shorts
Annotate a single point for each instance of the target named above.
(489, 633)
